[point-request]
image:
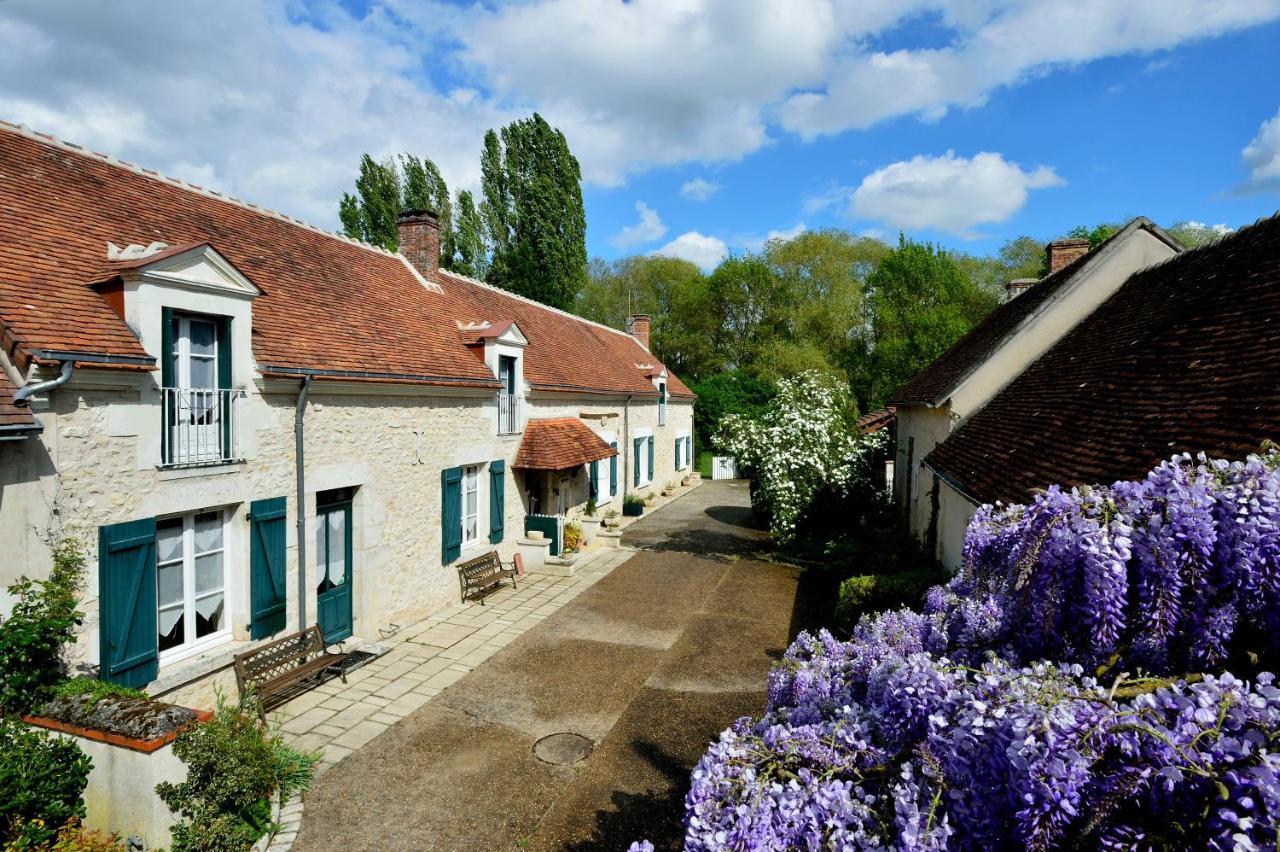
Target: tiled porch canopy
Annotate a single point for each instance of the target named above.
(560, 443)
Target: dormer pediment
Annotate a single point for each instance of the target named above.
(193, 266)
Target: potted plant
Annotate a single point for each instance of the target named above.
(688, 479)
(590, 522)
(632, 506)
(669, 489)
(611, 519)
(651, 499)
(572, 542)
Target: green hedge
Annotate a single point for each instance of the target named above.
(42, 781)
(866, 593)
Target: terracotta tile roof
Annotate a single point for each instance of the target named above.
(934, 383)
(328, 303)
(13, 418)
(564, 352)
(874, 421)
(560, 443)
(1185, 356)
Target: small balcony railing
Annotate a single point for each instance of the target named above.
(508, 414)
(199, 426)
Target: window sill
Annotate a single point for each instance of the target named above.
(183, 471)
(179, 673)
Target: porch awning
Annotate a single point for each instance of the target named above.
(560, 443)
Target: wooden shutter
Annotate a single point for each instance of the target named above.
(224, 380)
(635, 468)
(677, 453)
(497, 500)
(168, 378)
(127, 603)
(651, 458)
(451, 513)
(613, 469)
(594, 475)
(267, 530)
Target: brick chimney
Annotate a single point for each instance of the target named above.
(638, 327)
(1063, 252)
(1018, 286)
(420, 241)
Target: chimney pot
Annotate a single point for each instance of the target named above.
(419, 238)
(1064, 252)
(1018, 286)
(638, 327)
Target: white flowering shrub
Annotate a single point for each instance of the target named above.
(803, 443)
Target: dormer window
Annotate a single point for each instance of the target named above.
(197, 397)
(662, 404)
(504, 346)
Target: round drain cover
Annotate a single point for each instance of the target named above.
(563, 749)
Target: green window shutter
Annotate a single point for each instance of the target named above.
(635, 468)
(651, 458)
(451, 514)
(497, 500)
(595, 480)
(267, 529)
(168, 378)
(613, 469)
(224, 380)
(127, 603)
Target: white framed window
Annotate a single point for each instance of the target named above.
(470, 504)
(191, 584)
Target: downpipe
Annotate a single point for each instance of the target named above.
(625, 449)
(299, 465)
(22, 396)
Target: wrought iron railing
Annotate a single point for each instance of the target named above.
(199, 426)
(508, 413)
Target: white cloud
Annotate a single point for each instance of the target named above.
(1262, 158)
(699, 189)
(697, 248)
(949, 193)
(647, 230)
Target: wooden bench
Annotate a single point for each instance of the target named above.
(483, 574)
(284, 668)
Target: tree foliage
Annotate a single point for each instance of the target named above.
(41, 624)
(470, 249)
(533, 211)
(722, 394)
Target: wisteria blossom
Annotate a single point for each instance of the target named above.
(952, 729)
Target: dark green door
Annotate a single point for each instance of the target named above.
(333, 564)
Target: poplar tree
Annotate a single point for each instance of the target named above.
(370, 214)
(470, 254)
(533, 212)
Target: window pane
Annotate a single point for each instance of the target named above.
(208, 531)
(337, 547)
(203, 373)
(209, 612)
(322, 556)
(169, 584)
(203, 335)
(208, 573)
(169, 540)
(469, 529)
(172, 628)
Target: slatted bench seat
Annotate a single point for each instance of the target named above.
(284, 668)
(482, 575)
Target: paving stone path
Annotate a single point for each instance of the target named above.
(647, 654)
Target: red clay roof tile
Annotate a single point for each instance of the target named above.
(560, 443)
(11, 416)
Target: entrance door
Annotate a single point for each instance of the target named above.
(333, 563)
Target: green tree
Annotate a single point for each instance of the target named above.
(1096, 235)
(1196, 234)
(370, 214)
(424, 188)
(920, 303)
(730, 392)
(470, 253)
(533, 210)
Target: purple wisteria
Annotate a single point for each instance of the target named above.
(951, 728)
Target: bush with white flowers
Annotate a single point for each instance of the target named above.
(804, 442)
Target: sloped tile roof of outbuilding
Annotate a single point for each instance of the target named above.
(11, 416)
(1184, 357)
(328, 304)
(932, 384)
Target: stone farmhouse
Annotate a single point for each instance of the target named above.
(1112, 363)
(252, 425)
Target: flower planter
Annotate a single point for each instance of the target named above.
(590, 528)
(633, 510)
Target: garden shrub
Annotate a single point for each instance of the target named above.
(1066, 690)
(91, 690)
(235, 766)
(72, 837)
(572, 537)
(869, 593)
(42, 781)
(41, 624)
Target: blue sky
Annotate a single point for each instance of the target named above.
(703, 126)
